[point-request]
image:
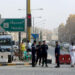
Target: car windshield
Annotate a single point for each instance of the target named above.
(4, 41)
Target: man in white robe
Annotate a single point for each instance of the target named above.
(72, 54)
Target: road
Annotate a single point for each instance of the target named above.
(51, 53)
(38, 70)
(22, 70)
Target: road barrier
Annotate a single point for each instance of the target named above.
(67, 59)
(64, 59)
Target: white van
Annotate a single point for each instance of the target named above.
(6, 48)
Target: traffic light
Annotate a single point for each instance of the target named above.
(29, 20)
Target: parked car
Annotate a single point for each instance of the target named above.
(15, 47)
(65, 45)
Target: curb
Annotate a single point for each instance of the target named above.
(14, 64)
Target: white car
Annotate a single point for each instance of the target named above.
(15, 47)
(66, 45)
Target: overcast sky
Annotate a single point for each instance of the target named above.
(54, 13)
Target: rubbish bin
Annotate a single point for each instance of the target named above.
(9, 58)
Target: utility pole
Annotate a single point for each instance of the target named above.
(34, 23)
(28, 21)
(40, 35)
(19, 36)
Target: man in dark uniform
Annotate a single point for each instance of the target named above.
(44, 54)
(57, 54)
(33, 53)
(38, 52)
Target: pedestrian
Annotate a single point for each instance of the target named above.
(28, 46)
(39, 52)
(57, 54)
(44, 53)
(22, 48)
(33, 53)
(72, 54)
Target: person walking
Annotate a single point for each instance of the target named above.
(28, 46)
(57, 54)
(38, 52)
(72, 54)
(44, 53)
(33, 53)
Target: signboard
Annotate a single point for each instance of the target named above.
(35, 36)
(12, 25)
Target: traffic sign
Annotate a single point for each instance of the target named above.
(35, 36)
(12, 25)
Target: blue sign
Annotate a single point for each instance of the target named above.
(35, 36)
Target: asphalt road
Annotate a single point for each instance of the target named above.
(22, 70)
(51, 53)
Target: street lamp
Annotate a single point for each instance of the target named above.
(31, 9)
(34, 24)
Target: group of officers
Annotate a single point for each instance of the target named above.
(39, 53)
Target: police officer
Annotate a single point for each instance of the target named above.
(57, 54)
(44, 53)
(38, 52)
(33, 53)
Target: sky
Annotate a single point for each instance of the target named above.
(53, 14)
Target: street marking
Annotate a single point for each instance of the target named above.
(0, 64)
(14, 64)
(11, 64)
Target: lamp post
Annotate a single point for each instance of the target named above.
(34, 23)
(31, 9)
(41, 38)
